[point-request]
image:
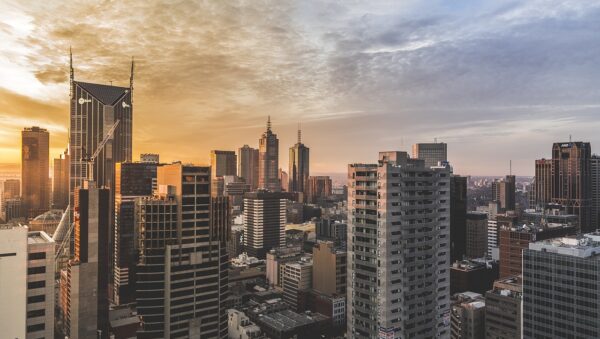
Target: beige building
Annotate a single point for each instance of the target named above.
(13, 279)
(468, 316)
(40, 285)
(329, 269)
(297, 278)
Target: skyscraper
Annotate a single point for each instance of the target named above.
(431, 153)
(458, 217)
(544, 177)
(264, 222)
(182, 269)
(398, 248)
(268, 164)
(503, 191)
(60, 188)
(595, 182)
(223, 163)
(35, 170)
(476, 240)
(318, 188)
(11, 188)
(299, 166)
(248, 165)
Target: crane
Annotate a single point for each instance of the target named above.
(90, 160)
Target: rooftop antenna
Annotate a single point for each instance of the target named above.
(71, 73)
(269, 123)
(299, 134)
(110, 82)
(510, 167)
(131, 78)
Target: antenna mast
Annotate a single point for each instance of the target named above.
(71, 74)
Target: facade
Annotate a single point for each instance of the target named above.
(248, 165)
(473, 276)
(329, 269)
(398, 248)
(35, 169)
(431, 153)
(268, 160)
(60, 187)
(318, 189)
(13, 265)
(264, 222)
(13, 209)
(503, 191)
(297, 278)
(182, 257)
(458, 217)
(11, 188)
(476, 237)
(40, 285)
(543, 191)
(595, 182)
(503, 309)
(560, 288)
(468, 316)
(222, 163)
(299, 169)
(276, 259)
(132, 180)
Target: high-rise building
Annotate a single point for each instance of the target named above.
(431, 153)
(182, 279)
(458, 217)
(264, 222)
(476, 230)
(88, 273)
(284, 180)
(95, 109)
(329, 269)
(398, 248)
(11, 188)
(299, 166)
(503, 309)
(318, 188)
(543, 191)
(297, 278)
(268, 160)
(595, 182)
(40, 285)
(503, 191)
(13, 265)
(13, 209)
(248, 165)
(132, 180)
(468, 316)
(35, 170)
(60, 187)
(222, 163)
(560, 288)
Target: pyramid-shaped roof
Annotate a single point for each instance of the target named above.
(106, 94)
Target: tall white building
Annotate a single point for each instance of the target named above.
(40, 285)
(398, 249)
(13, 281)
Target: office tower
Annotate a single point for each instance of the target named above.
(390, 291)
(458, 217)
(595, 182)
(468, 316)
(88, 273)
(299, 169)
(223, 163)
(544, 179)
(297, 278)
(268, 160)
(95, 110)
(264, 222)
(474, 275)
(11, 188)
(35, 165)
(150, 157)
(40, 285)
(560, 288)
(572, 186)
(13, 265)
(248, 165)
(476, 240)
(13, 209)
(431, 153)
(318, 189)
(276, 259)
(60, 187)
(182, 268)
(503, 191)
(514, 239)
(132, 180)
(329, 269)
(503, 309)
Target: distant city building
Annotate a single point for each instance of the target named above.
(284, 180)
(223, 163)
(150, 157)
(268, 160)
(388, 293)
(476, 231)
(11, 188)
(431, 153)
(458, 217)
(495, 222)
(40, 285)
(560, 288)
(475, 275)
(503, 309)
(544, 182)
(235, 187)
(276, 259)
(13, 209)
(329, 269)
(299, 169)
(503, 191)
(35, 169)
(332, 230)
(296, 278)
(14, 295)
(468, 316)
(264, 222)
(248, 165)
(595, 182)
(318, 188)
(60, 187)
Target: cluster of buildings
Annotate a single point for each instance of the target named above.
(241, 248)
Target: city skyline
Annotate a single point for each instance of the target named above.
(473, 75)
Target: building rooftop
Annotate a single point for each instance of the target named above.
(106, 94)
(585, 246)
(287, 320)
(38, 237)
(50, 216)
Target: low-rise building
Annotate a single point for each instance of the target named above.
(467, 316)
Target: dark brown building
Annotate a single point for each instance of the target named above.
(503, 309)
(476, 235)
(543, 183)
(35, 168)
(503, 191)
(60, 187)
(473, 276)
(458, 217)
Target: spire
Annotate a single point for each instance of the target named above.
(71, 73)
(131, 78)
(299, 134)
(269, 124)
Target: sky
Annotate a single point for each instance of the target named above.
(496, 80)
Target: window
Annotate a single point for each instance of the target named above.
(36, 313)
(35, 328)
(36, 256)
(36, 299)
(36, 270)
(36, 284)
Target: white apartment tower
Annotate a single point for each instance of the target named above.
(398, 249)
